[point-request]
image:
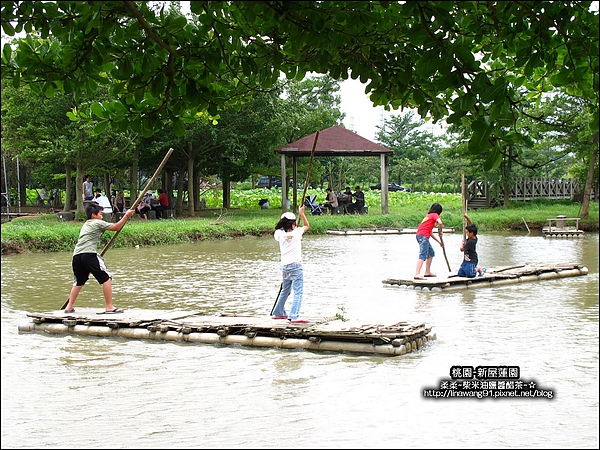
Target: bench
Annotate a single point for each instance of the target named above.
(168, 214)
(363, 210)
(65, 216)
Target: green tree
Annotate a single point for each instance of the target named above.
(471, 63)
(38, 130)
(564, 145)
(402, 135)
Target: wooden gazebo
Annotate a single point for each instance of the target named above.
(333, 141)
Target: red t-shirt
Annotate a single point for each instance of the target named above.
(427, 224)
(163, 200)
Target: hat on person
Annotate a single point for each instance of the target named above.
(149, 192)
(288, 215)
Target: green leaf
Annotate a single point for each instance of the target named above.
(480, 83)
(49, 90)
(6, 53)
(493, 160)
(480, 138)
(178, 127)
(99, 110)
(7, 28)
(100, 127)
(498, 90)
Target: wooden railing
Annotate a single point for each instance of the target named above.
(522, 189)
(530, 188)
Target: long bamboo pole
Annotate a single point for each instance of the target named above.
(140, 197)
(464, 206)
(444, 249)
(312, 154)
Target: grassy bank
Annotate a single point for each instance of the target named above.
(45, 233)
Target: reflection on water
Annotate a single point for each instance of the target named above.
(77, 390)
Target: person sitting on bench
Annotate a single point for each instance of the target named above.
(331, 201)
(357, 206)
(163, 204)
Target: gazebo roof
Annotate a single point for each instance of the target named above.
(334, 141)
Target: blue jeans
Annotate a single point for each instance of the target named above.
(292, 278)
(467, 269)
(425, 248)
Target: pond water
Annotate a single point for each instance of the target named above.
(86, 392)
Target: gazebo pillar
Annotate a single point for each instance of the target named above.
(284, 185)
(384, 184)
(295, 180)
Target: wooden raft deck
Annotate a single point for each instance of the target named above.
(370, 231)
(498, 276)
(325, 334)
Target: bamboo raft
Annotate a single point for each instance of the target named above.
(326, 334)
(493, 277)
(369, 231)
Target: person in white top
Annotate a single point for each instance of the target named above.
(103, 201)
(87, 188)
(289, 236)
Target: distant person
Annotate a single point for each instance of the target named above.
(469, 267)
(87, 188)
(357, 206)
(331, 201)
(55, 197)
(145, 205)
(163, 204)
(103, 201)
(289, 236)
(87, 260)
(120, 201)
(43, 196)
(113, 201)
(424, 232)
(348, 199)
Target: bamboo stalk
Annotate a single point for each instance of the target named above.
(140, 197)
(312, 154)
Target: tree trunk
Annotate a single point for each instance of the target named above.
(226, 192)
(68, 194)
(191, 176)
(22, 181)
(589, 181)
(179, 207)
(133, 177)
(167, 185)
(106, 184)
(507, 166)
(78, 188)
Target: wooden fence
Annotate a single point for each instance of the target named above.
(522, 189)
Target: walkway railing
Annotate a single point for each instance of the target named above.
(522, 189)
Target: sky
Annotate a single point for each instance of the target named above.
(363, 118)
